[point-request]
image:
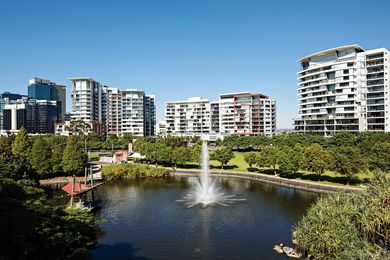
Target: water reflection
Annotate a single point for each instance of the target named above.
(143, 214)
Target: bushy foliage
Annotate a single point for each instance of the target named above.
(30, 229)
(132, 171)
(348, 226)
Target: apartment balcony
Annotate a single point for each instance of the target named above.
(375, 89)
(375, 76)
(374, 71)
(374, 63)
(374, 102)
(374, 57)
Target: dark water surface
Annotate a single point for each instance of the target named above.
(143, 221)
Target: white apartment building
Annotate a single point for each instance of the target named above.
(344, 89)
(161, 128)
(113, 111)
(189, 117)
(87, 102)
(235, 113)
(133, 111)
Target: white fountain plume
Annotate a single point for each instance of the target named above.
(205, 192)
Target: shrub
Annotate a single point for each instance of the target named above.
(132, 171)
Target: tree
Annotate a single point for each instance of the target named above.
(317, 159)
(21, 145)
(56, 160)
(74, 158)
(348, 161)
(250, 158)
(290, 159)
(196, 154)
(268, 157)
(343, 138)
(380, 157)
(223, 155)
(40, 157)
(20, 149)
(181, 155)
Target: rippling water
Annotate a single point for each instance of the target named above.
(143, 221)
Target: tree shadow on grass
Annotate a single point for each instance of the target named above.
(226, 167)
(117, 251)
(315, 177)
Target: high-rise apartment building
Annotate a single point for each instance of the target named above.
(188, 117)
(114, 118)
(88, 97)
(245, 113)
(113, 111)
(234, 114)
(133, 111)
(150, 115)
(344, 89)
(42, 89)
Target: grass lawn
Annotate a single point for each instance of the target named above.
(238, 164)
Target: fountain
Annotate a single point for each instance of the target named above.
(205, 192)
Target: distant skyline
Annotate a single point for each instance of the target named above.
(180, 49)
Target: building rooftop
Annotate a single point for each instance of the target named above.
(330, 51)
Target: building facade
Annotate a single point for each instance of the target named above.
(87, 103)
(133, 111)
(37, 116)
(344, 89)
(112, 111)
(241, 113)
(189, 117)
(150, 115)
(43, 89)
(245, 113)
(8, 98)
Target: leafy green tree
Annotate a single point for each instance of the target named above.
(74, 158)
(290, 159)
(40, 157)
(348, 161)
(5, 149)
(181, 155)
(196, 154)
(20, 149)
(21, 145)
(56, 159)
(317, 159)
(269, 157)
(223, 155)
(343, 138)
(78, 127)
(250, 158)
(379, 157)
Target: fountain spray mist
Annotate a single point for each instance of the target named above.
(205, 192)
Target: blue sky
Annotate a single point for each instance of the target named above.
(183, 48)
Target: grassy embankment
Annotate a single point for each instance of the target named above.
(238, 164)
